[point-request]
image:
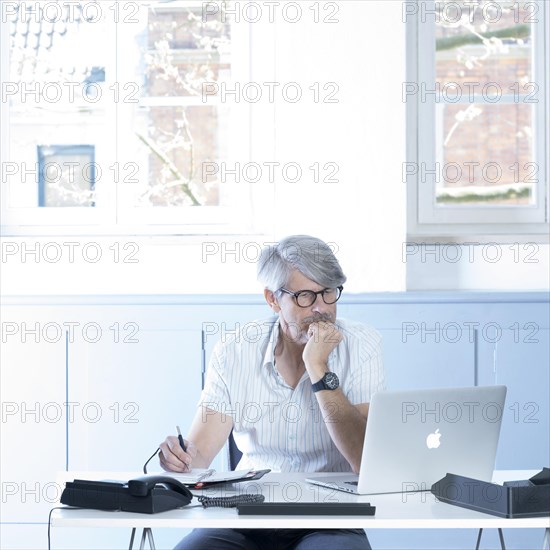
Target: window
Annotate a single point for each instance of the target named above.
(477, 102)
(127, 79)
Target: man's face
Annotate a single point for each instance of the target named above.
(295, 320)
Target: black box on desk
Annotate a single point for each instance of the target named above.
(514, 499)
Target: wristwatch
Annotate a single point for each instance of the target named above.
(328, 382)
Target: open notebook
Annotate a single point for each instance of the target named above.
(198, 475)
(201, 477)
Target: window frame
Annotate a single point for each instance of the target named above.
(427, 222)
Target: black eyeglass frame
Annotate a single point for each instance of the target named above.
(321, 292)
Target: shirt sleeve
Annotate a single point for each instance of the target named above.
(367, 376)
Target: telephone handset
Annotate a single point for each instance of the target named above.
(141, 486)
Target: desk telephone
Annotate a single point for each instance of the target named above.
(147, 495)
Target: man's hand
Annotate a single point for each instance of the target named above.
(173, 458)
(323, 338)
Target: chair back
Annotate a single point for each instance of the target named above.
(234, 453)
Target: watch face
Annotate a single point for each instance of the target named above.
(331, 380)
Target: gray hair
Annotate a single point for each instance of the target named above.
(310, 256)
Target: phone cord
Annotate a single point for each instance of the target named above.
(230, 502)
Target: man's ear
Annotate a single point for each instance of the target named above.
(271, 300)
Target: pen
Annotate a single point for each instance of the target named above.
(180, 438)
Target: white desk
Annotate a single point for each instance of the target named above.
(395, 511)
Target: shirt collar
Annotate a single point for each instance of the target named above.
(272, 339)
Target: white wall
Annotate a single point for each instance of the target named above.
(479, 266)
(364, 134)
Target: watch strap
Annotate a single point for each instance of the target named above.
(322, 384)
(318, 386)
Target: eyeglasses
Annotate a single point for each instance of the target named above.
(306, 298)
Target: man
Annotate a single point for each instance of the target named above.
(295, 390)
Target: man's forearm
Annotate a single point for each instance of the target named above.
(345, 423)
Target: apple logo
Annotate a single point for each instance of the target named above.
(432, 441)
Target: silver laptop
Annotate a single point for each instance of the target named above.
(415, 437)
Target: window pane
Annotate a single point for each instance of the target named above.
(60, 184)
(485, 116)
(176, 141)
(487, 160)
(184, 47)
(173, 131)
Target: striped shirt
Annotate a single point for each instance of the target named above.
(277, 426)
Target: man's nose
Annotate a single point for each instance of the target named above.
(319, 305)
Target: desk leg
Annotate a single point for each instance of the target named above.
(150, 538)
(477, 542)
(132, 538)
(500, 536)
(546, 541)
(147, 533)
